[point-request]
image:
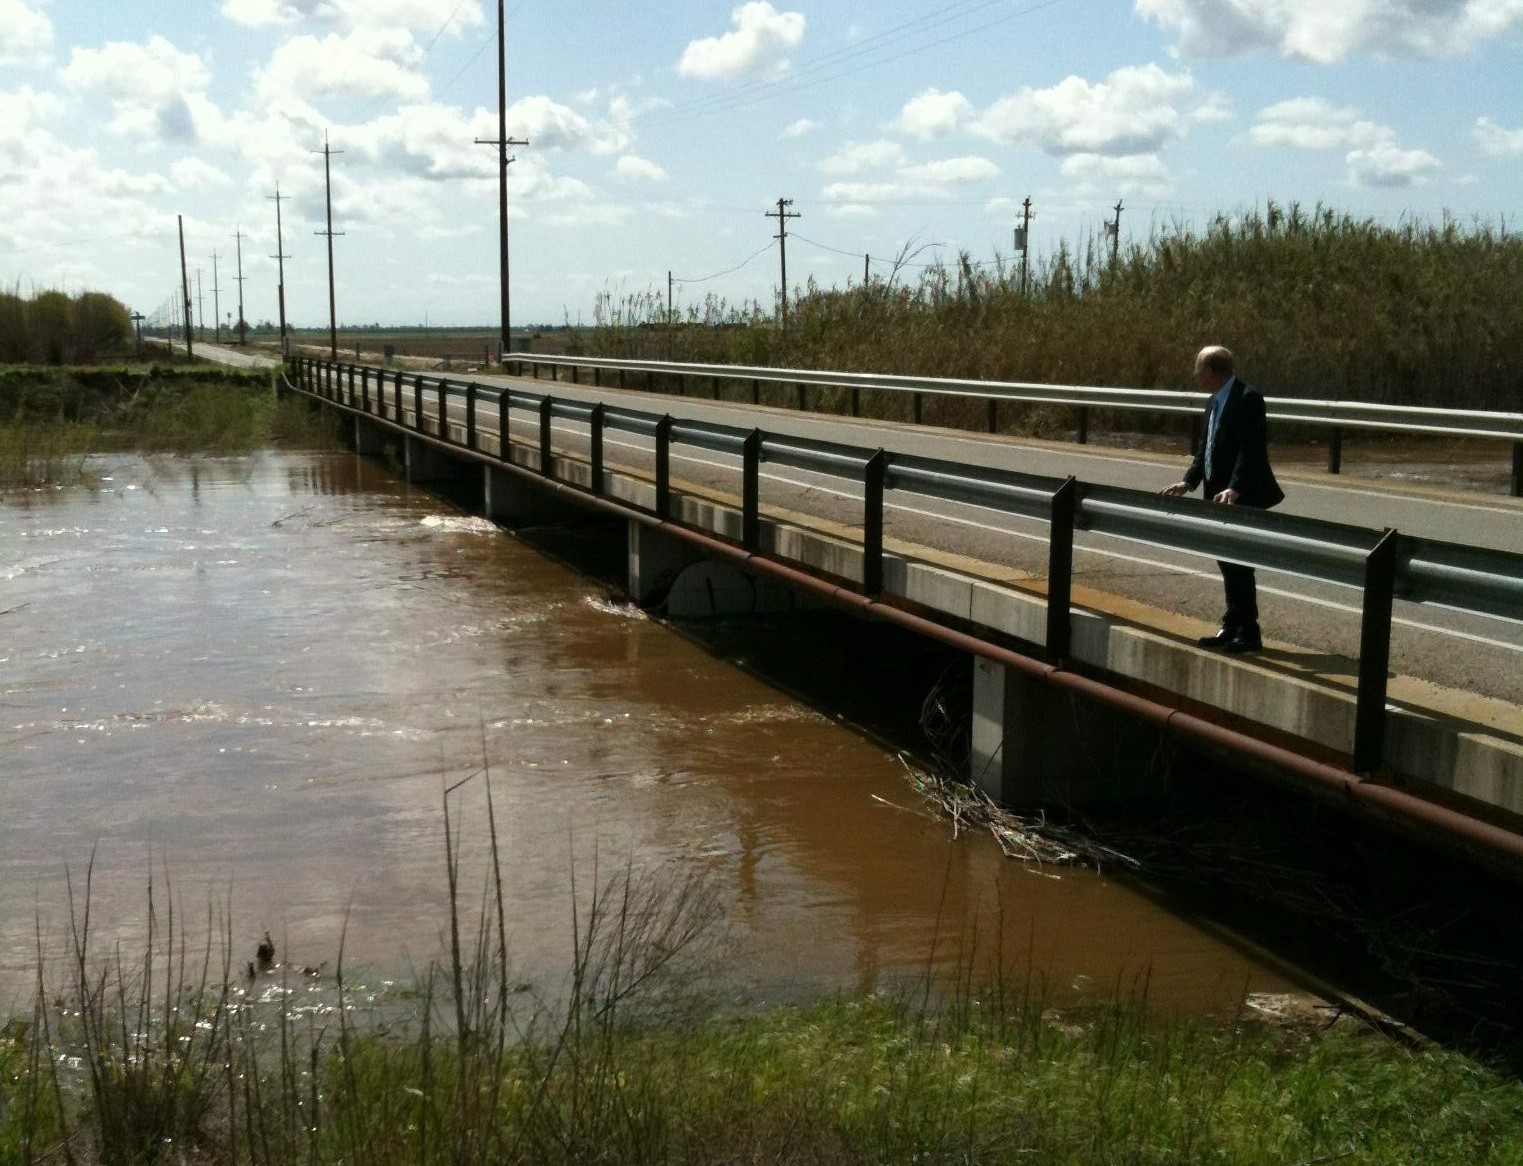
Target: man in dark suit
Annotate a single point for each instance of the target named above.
(1233, 462)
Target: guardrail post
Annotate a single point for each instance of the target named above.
(621, 378)
(750, 491)
(664, 467)
(504, 406)
(1517, 469)
(1083, 424)
(856, 401)
(873, 474)
(365, 389)
(597, 377)
(535, 367)
(417, 402)
(546, 459)
(470, 415)
(1060, 569)
(1374, 654)
(993, 415)
(396, 398)
(1335, 450)
(756, 392)
(350, 399)
(443, 409)
(798, 398)
(576, 375)
(917, 403)
(595, 442)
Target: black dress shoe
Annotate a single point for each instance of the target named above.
(1245, 641)
(1220, 639)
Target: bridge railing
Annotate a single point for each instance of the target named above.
(1381, 564)
(1334, 416)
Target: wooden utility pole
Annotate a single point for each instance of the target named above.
(328, 195)
(200, 306)
(1023, 238)
(185, 288)
(1113, 229)
(280, 257)
(502, 143)
(216, 302)
(243, 327)
(782, 215)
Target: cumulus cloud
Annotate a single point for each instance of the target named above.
(934, 114)
(951, 171)
(1136, 110)
(922, 180)
(855, 157)
(1320, 31)
(157, 91)
(194, 174)
(758, 46)
(415, 15)
(1131, 174)
(630, 166)
(26, 34)
(548, 125)
(799, 128)
(367, 62)
(1496, 140)
(1373, 156)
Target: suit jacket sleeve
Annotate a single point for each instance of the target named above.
(1197, 469)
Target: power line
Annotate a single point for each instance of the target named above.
(727, 271)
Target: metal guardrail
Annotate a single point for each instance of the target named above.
(1336, 416)
(1382, 564)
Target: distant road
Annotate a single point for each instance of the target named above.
(221, 354)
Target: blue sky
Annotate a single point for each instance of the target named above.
(659, 135)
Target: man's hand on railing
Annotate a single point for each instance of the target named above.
(1175, 490)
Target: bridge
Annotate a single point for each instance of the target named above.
(1396, 692)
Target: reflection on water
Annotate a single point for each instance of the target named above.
(258, 675)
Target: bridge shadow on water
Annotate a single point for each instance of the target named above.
(1429, 941)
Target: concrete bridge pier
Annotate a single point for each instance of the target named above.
(1037, 745)
(511, 501)
(369, 438)
(427, 463)
(655, 560)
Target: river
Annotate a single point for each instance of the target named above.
(250, 679)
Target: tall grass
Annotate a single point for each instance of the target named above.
(630, 1062)
(1315, 303)
(52, 327)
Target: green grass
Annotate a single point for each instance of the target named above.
(52, 420)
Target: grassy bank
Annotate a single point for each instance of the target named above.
(179, 1054)
(51, 420)
(1316, 304)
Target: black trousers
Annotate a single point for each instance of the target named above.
(1242, 597)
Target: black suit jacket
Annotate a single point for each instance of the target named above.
(1240, 453)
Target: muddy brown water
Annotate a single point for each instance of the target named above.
(253, 678)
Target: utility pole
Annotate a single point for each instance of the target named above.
(782, 215)
(200, 307)
(502, 143)
(1113, 230)
(867, 269)
(243, 326)
(137, 319)
(216, 302)
(328, 189)
(1023, 237)
(280, 257)
(185, 288)
(668, 296)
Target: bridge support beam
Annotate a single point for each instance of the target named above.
(427, 463)
(512, 502)
(1034, 745)
(369, 438)
(655, 560)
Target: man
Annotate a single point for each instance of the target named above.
(1233, 462)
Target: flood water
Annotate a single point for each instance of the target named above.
(254, 677)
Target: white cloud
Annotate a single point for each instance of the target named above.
(1130, 174)
(367, 62)
(194, 174)
(1136, 110)
(799, 128)
(23, 109)
(548, 125)
(630, 166)
(1325, 31)
(1496, 140)
(951, 171)
(26, 34)
(855, 157)
(934, 114)
(427, 141)
(860, 191)
(158, 92)
(415, 15)
(758, 46)
(1373, 155)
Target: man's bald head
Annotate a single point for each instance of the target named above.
(1213, 367)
